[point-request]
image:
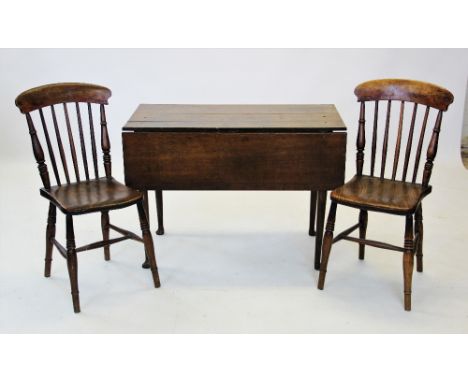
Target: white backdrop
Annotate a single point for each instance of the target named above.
(226, 76)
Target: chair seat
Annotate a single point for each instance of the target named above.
(380, 194)
(93, 195)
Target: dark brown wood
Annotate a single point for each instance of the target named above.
(313, 209)
(398, 141)
(105, 233)
(361, 139)
(374, 136)
(53, 94)
(408, 259)
(420, 144)
(94, 195)
(405, 90)
(105, 143)
(409, 144)
(50, 236)
(327, 243)
(234, 161)
(385, 142)
(38, 153)
(389, 195)
(93, 141)
(321, 208)
(362, 232)
(72, 143)
(82, 142)
(49, 147)
(159, 211)
(97, 195)
(345, 233)
(60, 144)
(148, 241)
(72, 264)
(235, 118)
(419, 230)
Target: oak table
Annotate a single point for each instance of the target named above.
(237, 147)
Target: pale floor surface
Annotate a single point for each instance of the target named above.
(233, 262)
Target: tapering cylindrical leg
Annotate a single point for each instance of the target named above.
(313, 210)
(50, 235)
(321, 207)
(148, 241)
(105, 233)
(327, 244)
(408, 259)
(72, 264)
(419, 245)
(159, 211)
(362, 232)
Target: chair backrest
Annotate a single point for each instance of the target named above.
(405, 91)
(36, 100)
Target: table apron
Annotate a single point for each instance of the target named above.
(234, 161)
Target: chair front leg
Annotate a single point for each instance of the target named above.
(72, 264)
(105, 233)
(50, 236)
(362, 232)
(149, 247)
(408, 261)
(419, 244)
(327, 243)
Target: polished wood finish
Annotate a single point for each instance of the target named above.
(380, 194)
(236, 147)
(234, 161)
(86, 195)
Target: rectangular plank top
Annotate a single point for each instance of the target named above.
(235, 118)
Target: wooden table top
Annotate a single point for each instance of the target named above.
(235, 118)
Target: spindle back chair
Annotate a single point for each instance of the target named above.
(83, 194)
(391, 194)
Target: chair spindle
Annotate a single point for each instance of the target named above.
(374, 136)
(385, 142)
(105, 143)
(398, 142)
(60, 145)
(410, 142)
(72, 143)
(93, 141)
(50, 148)
(361, 139)
(38, 153)
(432, 150)
(82, 141)
(420, 144)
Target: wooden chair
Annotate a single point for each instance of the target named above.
(389, 195)
(98, 194)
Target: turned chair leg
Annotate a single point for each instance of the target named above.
(419, 245)
(327, 243)
(159, 211)
(148, 241)
(362, 232)
(408, 260)
(72, 264)
(105, 233)
(50, 236)
(313, 209)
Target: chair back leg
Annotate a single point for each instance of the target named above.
(50, 236)
(327, 243)
(419, 243)
(362, 232)
(72, 264)
(408, 259)
(105, 233)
